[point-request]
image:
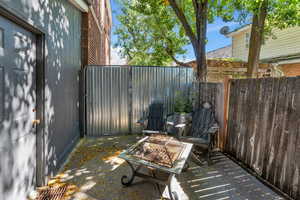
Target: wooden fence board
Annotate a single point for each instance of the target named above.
(266, 106)
(296, 181)
(282, 157)
(228, 143)
(241, 137)
(258, 137)
(264, 129)
(274, 141)
(237, 119)
(271, 126)
(255, 138)
(249, 123)
(233, 116)
(280, 125)
(261, 128)
(295, 190)
(292, 140)
(226, 110)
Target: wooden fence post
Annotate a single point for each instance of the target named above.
(226, 108)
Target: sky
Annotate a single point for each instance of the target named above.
(215, 39)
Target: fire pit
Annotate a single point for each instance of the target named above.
(159, 149)
(156, 153)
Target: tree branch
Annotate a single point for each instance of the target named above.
(256, 39)
(169, 52)
(184, 22)
(197, 11)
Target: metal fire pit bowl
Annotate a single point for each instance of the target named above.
(157, 153)
(159, 149)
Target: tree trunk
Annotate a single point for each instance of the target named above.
(199, 40)
(201, 32)
(256, 39)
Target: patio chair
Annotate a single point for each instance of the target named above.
(155, 120)
(203, 129)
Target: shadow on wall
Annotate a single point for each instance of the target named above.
(17, 144)
(60, 22)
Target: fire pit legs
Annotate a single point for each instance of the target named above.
(127, 181)
(160, 172)
(173, 195)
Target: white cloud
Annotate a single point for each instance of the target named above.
(115, 58)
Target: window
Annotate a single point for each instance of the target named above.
(1, 38)
(247, 40)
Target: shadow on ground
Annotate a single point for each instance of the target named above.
(94, 170)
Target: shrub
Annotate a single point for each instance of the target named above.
(182, 103)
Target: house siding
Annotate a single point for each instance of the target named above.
(239, 49)
(287, 42)
(61, 23)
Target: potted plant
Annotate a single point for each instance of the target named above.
(182, 104)
(182, 108)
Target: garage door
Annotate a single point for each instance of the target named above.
(17, 111)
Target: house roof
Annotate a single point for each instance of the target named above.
(223, 52)
(238, 30)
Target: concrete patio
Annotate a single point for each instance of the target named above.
(93, 171)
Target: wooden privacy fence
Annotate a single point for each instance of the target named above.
(264, 129)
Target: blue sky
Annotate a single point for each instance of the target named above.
(215, 39)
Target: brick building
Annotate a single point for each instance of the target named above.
(96, 33)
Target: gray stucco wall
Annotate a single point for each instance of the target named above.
(61, 23)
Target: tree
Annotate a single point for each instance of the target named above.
(198, 40)
(193, 16)
(256, 39)
(267, 15)
(149, 36)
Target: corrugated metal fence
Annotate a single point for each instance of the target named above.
(118, 96)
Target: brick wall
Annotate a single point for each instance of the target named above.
(96, 35)
(292, 69)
